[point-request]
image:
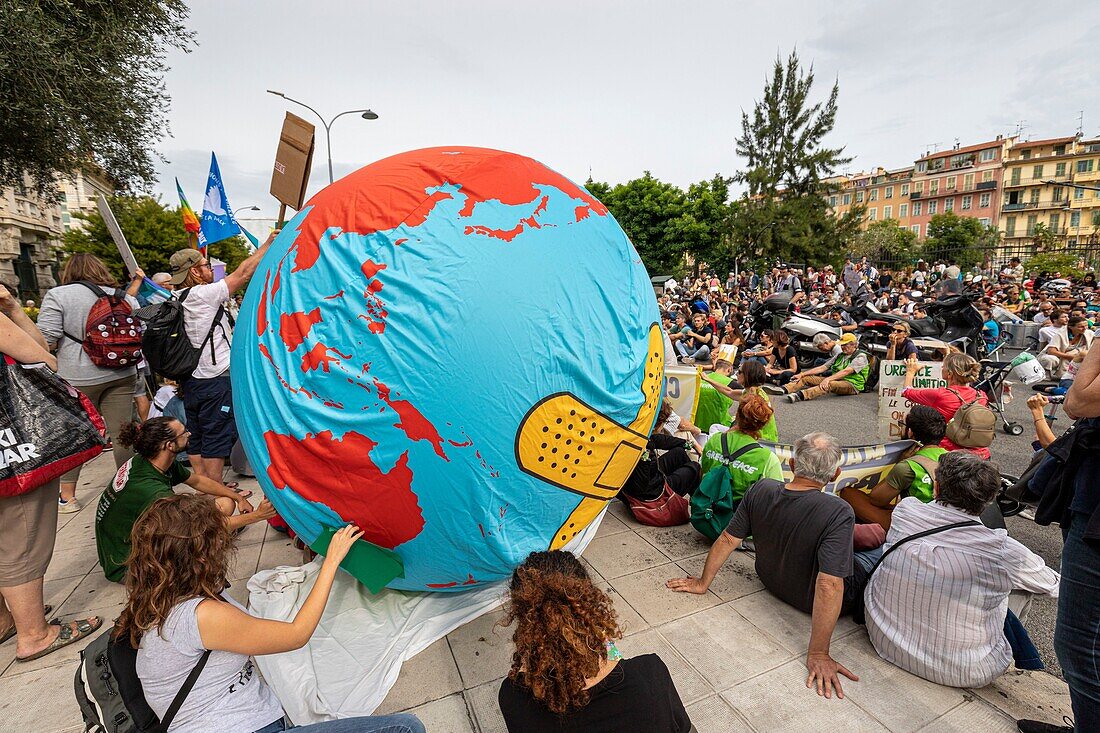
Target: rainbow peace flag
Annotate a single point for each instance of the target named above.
(190, 220)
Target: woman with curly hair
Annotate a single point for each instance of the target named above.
(176, 611)
(566, 673)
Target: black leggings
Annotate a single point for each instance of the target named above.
(680, 472)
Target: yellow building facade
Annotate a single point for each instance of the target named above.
(1034, 190)
(1083, 226)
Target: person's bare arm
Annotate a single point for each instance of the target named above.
(724, 389)
(225, 627)
(21, 346)
(217, 488)
(883, 495)
(1083, 398)
(9, 306)
(1043, 433)
(240, 277)
(262, 513)
(720, 551)
(135, 283)
(824, 671)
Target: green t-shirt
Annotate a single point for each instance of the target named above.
(910, 478)
(749, 467)
(136, 485)
(714, 407)
(769, 432)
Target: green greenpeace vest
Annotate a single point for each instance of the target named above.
(858, 379)
(731, 462)
(714, 407)
(921, 487)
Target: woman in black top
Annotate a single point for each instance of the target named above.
(783, 361)
(566, 673)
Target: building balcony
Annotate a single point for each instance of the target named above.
(1015, 182)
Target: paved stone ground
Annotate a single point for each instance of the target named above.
(735, 653)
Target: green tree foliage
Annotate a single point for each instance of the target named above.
(787, 171)
(665, 223)
(82, 82)
(153, 233)
(1066, 265)
(649, 210)
(1043, 237)
(782, 140)
(705, 226)
(959, 238)
(885, 239)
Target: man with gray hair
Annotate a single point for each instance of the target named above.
(937, 605)
(804, 550)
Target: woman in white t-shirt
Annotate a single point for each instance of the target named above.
(176, 610)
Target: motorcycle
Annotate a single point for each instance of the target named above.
(951, 321)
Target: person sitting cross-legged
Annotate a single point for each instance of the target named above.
(911, 476)
(845, 374)
(944, 607)
(695, 346)
(150, 475)
(804, 551)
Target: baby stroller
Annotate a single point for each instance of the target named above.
(993, 376)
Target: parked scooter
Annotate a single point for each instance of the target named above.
(952, 321)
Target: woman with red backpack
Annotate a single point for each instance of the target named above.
(88, 321)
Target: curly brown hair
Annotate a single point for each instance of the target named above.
(563, 625)
(180, 549)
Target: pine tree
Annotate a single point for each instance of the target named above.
(784, 214)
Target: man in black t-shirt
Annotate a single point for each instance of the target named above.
(804, 550)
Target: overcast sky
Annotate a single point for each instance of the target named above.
(614, 87)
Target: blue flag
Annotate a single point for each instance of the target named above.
(150, 293)
(217, 216)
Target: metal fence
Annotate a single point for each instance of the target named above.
(991, 260)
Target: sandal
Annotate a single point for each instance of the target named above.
(11, 632)
(66, 635)
(234, 486)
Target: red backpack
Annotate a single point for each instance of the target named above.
(112, 334)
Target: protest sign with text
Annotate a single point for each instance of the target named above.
(892, 407)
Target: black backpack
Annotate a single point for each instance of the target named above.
(109, 692)
(165, 344)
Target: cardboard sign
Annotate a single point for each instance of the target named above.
(892, 407)
(293, 159)
(115, 230)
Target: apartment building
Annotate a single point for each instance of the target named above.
(887, 196)
(30, 242)
(965, 180)
(1083, 226)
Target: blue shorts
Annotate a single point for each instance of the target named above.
(209, 405)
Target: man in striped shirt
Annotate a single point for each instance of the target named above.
(937, 606)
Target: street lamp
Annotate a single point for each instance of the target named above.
(366, 114)
(245, 208)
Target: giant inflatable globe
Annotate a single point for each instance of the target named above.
(456, 349)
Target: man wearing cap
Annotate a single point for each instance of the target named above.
(207, 394)
(788, 282)
(844, 374)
